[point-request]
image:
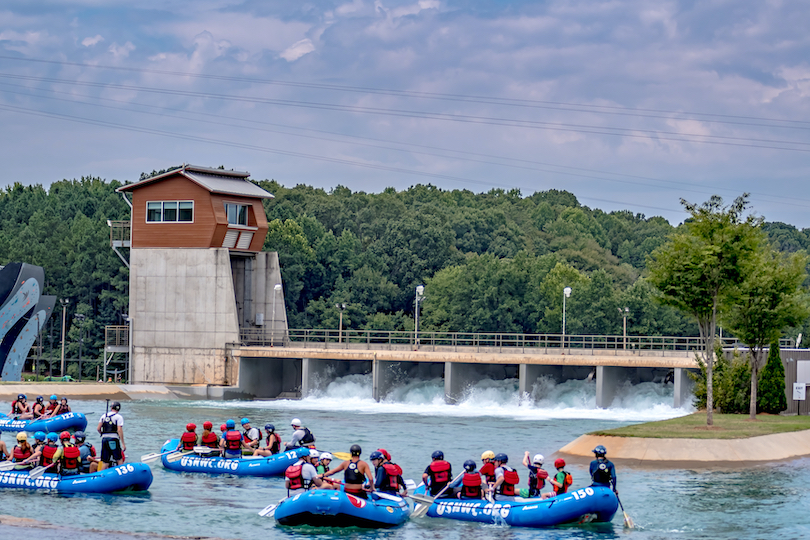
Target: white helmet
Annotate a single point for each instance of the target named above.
(327, 455)
(538, 459)
(314, 453)
(295, 422)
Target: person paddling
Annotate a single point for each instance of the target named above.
(22, 454)
(208, 437)
(537, 475)
(39, 408)
(388, 477)
(602, 471)
(87, 454)
(506, 478)
(488, 468)
(231, 442)
(438, 474)
(188, 440)
(356, 471)
(53, 404)
(48, 454)
(471, 482)
(302, 475)
(69, 456)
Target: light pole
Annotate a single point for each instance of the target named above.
(420, 295)
(276, 290)
(566, 294)
(624, 313)
(39, 350)
(79, 317)
(341, 307)
(64, 302)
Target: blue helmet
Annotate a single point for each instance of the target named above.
(376, 454)
(79, 435)
(269, 427)
(53, 436)
(600, 450)
(438, 454)
(40, 435)
(39, 399)
(503, 458)
(245, 421)
(21, 396)
(469, 465)
(230, 424)
(53, 397)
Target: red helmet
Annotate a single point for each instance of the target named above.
(385, 453)
(223, 427)
(64, 435)
(191, 427)
(559, 462)
(207, 425)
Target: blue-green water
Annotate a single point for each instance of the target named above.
(770, 501)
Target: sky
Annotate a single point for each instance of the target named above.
(628, 104)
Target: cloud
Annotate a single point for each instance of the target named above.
(297, 50)
(121, 51)
(92, 41)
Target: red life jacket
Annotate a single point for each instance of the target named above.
(510, 480)
(439, 471)
(471, 486)
(38, 410)
(393, 471)
(488, 470)
(295, 475)
(17, 407)
(71, 459)
(51, 407)
(62, 409)
(538, 481)
(47, 454)
(19, 455)
(275, 445)
(210, 440)
(189, 440)
(233, 440)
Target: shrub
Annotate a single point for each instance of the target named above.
(771, 392)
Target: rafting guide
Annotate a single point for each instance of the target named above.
(111, 429)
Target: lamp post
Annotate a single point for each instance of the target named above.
(341, 307)
(64, 302)
(39, 349)
(276, 290)
(566, 294)
(420, 295)
(624, 313)
(79, 317)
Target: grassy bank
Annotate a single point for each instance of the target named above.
(726, 426)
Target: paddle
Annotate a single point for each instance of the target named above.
(342, 456)
(390, 497)
(270, 510)
(177, 455)
(204, 450)
(424, 505)
(39, 471)
(7, 465)
(149, 458)
(628, 521)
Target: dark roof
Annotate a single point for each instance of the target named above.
(213, 180)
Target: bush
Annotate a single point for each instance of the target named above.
(771, 392)
(732, 383)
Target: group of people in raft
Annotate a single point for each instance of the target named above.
(22, 410)
(494, 480)
(232, 443)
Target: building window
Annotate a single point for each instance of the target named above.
(170, 211)
(237, 214)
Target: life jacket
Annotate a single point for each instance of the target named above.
(510, 480)
(38, 410)
(352, 475)
(47, 455)
(63, 409)
(602, 474)
(537, 480)
(86, 451)
(488, 471)
(471, 485)
(275, 445)
(295, 474)
(20, 455)
(566, 481)
(233, 440)
(308, 437)
(71, 459)
(246, 438)
(209, 439)
(189, 440)
(108, 425)
(17, 407)
(51, 407)
(394, 472)
(439, 472)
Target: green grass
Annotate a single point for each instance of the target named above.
(726, 426)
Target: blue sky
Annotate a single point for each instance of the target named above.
(627, 104)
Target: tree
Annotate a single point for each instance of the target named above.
(770, 299)
(709, 255)
(772, 397)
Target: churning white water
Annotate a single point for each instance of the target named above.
(548, 400)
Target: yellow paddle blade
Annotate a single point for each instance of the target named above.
(343, 456)
(628, 521)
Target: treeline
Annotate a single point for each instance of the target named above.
(490, 262)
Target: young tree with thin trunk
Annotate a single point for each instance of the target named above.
(707, 256)
(769, 300)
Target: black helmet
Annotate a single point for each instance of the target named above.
(269, 427)
(80, 436)
(39, 399)
(469, 465)
(503, 458)
(376, 454)
(115, 406)
(600, 450)
(356, 450)
(438, 454)
(20, 396)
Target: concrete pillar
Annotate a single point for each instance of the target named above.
(529, 373)
(382, 376)
(260, 297)
(607, 380)
(457, 377)
(313, 371)
(683, 388)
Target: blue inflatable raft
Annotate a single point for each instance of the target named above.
(72, 420)
(328, 508)
(126, 477)
(587, 505)
(274, 465)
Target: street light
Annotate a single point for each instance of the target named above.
(341, 307)
(420, 295)
(64, 302)
(566, 294)
(624, 313)
(276, 290)
(79, 317)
